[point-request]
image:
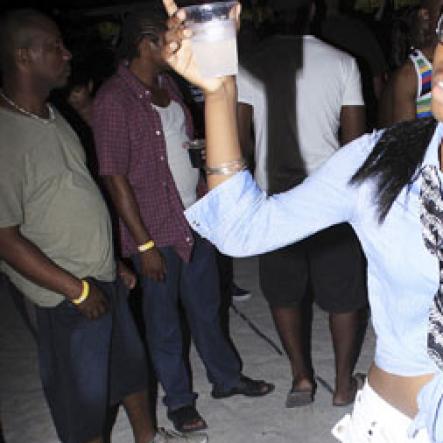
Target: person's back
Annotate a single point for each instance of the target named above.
(303, 104)
(307, 101)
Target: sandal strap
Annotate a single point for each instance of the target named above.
(184, 415)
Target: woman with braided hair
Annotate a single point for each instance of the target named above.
(388, 186)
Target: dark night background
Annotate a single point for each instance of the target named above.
(60, 4)
(65, 5)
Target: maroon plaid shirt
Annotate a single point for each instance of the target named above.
(129, 140)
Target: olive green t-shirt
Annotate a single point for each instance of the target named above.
(46, 190)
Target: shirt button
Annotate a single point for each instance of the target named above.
(146, 92)
(188, 239)
(140, 96)
(158, 132)
(162, 158)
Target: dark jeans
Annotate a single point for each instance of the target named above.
(196, 286)
(87, 365)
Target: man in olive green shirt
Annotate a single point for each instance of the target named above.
(56, 246)
(46, 190)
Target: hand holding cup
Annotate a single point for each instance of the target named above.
(178, 52)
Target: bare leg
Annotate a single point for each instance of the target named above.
(293, 326)
(137, 408)
(347, 330)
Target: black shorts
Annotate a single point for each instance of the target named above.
(87, 365)
(330, 263)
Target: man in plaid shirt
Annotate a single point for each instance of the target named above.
(140, 125)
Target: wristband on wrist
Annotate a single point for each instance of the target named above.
(84, 295)
(146, 246)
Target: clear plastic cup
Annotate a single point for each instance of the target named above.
(214, 39)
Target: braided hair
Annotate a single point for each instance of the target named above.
(139, 23)
(395, 159)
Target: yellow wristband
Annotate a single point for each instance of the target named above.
(146, 246)
(84, 295)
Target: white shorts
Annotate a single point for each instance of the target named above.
(373, 420)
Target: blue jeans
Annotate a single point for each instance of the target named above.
(196, 286)
(87, 365)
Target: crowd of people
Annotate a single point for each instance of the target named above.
(97, 193)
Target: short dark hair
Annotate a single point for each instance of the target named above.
(14, 33)
(138, 23)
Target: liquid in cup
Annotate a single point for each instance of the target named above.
(214, 39)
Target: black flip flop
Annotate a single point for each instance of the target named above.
(184, 418)
(247, 387)
(300, 397)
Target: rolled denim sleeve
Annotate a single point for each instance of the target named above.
(241, 220)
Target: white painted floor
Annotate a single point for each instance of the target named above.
(25, 415)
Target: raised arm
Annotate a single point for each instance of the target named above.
(237, 216)
(222, 141)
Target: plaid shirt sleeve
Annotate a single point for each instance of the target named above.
(111, 135)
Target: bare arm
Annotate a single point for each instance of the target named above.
(378, 83)
(384, 117)
(28, 260)
(128, 210)
(398, 102)
(352, 123)
(222, 141)
(404, 95)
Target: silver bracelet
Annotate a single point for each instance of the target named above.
(228, 168)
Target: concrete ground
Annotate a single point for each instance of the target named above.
(25, 415)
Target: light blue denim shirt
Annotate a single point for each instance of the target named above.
(402, 275)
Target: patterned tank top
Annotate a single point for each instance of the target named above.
(423, 68)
